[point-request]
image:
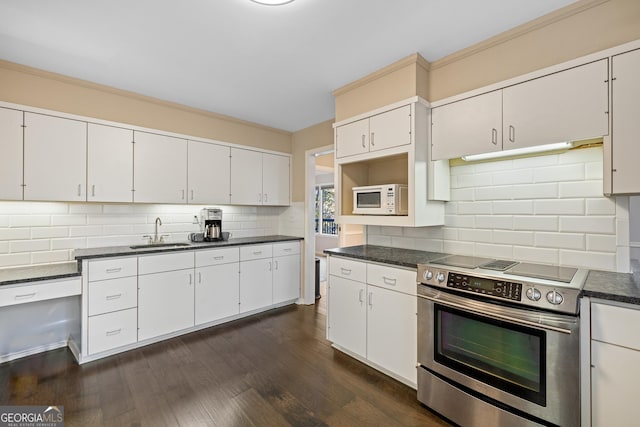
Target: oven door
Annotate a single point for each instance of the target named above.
(521, 360)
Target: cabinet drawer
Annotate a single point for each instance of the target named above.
(22, 294)
(255, 252)
(613, 324)
(392, 278)
(286, 248)
(354, 270)
(112, 268)
(217, 256)
(112, 295)
(112, 330)
(165, 262)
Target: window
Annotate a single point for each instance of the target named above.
(325, 210)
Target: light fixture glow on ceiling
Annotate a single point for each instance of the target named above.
(272, 2)
(519, 151)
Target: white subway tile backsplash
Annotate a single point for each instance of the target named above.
(49, 232)
(494, 193)
(535, 191)
(496, 222)
(458, 247)
(85, 208)
(30, 221)
(560, 240)
(75, 219)
(593, 171)
(494, 166)
(29, 245)
(559, 207)
(622, 232)
(4, 220)
(86, 230)
(474, 180)
(601, 206)
(589, 260)
(514, 207)
(423, 232)
(391, 231)
(403, 242)
(474, 208)
(601, 243)
(15, 233)
(4, 247)
(451, 208)
(520, 176)
(379, 240)
(70, 243)
(50, 256)
(588, 224)
(520, 238)
(581, 155)
(12, 260)
(475, 235)
(459, 221)
(494, 251)
(459, 194)
(622, 207)
(430, 245)
(581, 189)
(535, 161)
(449, 233)
(540, 255)
(573, 172)
(536, 223)
(623, 259)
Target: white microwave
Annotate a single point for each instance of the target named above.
(386, 199)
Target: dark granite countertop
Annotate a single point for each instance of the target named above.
(113, 251)
(620, 287)
(33, 273)
(387, 255)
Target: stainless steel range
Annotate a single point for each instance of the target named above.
(498, 341)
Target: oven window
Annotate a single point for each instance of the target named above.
(504, 355)
(369, 200)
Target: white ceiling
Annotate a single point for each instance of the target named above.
(273, 65)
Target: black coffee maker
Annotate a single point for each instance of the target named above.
(211, 218)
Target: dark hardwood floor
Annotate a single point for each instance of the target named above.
(272, 369)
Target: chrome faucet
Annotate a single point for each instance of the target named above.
(155, 239)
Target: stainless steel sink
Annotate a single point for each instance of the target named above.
(160, 245)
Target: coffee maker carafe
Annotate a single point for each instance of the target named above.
(211, 218)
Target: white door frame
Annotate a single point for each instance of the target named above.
(309, 296)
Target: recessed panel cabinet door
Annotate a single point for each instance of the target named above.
(11, 157)
(209, 173)
(570, 105)
(625, 132)
(109, 164)
(392, 330)
(246, 177)
(55, 158)
(165, 303)
(352, 138)
(347, 315)
(275, 180)
(469, 126)
(160, 169)
(390, 129)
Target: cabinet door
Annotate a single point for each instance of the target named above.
(11, 160)
(392, 331)
(217, 292)
(246, 177)
(109, 164)
(625, 127)
(256, 284)
(347, 315)
(614, 385)
(209, 173)
(286, 278)
(390, 129)
(55, 158)
(160, 169)
(352, 138)
(567, 106)
(275, 180)
(469, 126)
(165, 303)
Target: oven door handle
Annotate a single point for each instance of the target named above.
(503, 313)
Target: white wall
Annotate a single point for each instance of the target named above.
(634, 226)
(42, 232)
(547, 209)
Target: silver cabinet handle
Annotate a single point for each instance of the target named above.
(389, 281)
(360, 295)
(345, 271)
(93, 190)
(182, 194)
(512, 133)
(363, 137)
(288, 249)
(494, 136)
(372, 141)
(199, 277)
(191, 194)
(79, 189)
(112, 297)
(276, 264)
(270, 266)
(26, 296)
(190, 279)
(113, 270)
(259, 197)
(370, 299)
(114, 332)
(257, 252)
(266, 196)
(218, 258)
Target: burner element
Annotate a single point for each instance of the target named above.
(499, 265)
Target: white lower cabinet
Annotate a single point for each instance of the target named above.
(615, 358)
(375, 319)
(256, 277)
(286, 271)
(112, 330)
(217, 293)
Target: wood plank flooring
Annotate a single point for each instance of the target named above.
(273, 369)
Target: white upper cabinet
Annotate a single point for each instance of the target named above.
(11, 158)
(55, 158)
(209, 173)
(160, 169)
(109, 164)
(467, 127)
(570, 105)
(246, 177)
(625, 124)
(381, 131)
(275, 180)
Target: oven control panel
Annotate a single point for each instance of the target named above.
(496, 288)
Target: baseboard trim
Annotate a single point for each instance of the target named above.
(31, 351)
